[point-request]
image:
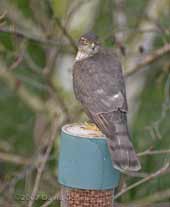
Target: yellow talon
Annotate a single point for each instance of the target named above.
(90, 126)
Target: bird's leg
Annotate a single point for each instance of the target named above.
(90, 126)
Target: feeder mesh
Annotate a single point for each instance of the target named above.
(71, 197)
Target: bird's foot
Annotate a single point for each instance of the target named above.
(90, 126)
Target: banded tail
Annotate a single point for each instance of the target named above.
(121, 149)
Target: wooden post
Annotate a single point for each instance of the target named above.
(85, 169)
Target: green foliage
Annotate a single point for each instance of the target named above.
(24, 7)
(104, 19)
(136, 8)
(6, 40)
(59, 7)
(37, 53)
(16, 122)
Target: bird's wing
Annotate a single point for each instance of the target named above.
(99, 85)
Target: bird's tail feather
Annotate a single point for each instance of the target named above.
(122, 152)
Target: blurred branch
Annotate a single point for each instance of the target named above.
(14, 158)
(51, 56)
(154, 127)
(31, 100)
(40, 15)
(74, 7)
(52, 199)
(28, 35)
(27, 169)
(144, 180)
(148, 59)
(43, 159)
(153, 10)
(17, 18)
(32, 65)
(34, 102)
(65, 33)
(154, 152)
(34, 83)
(120, 20)
(141, 205)
(21, 175)
(155, 197)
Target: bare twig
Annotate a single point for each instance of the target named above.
(52, 199)
(17, 61)
(20, 51)
(27, 169)
(144, 180)
(51, 56)
(65, 33)
(32, 65)
(156, 197)
(6, 157)
(120, 20)
(34, 83)
(141, 205)
(43, 160)
(72, 10)
(150, 58)
(31, 100)
(154, 127)
(27, 35)
(154, 152)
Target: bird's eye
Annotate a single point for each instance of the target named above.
(93, 45)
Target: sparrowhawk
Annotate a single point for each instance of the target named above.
(99, 85)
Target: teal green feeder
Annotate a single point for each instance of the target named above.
(84, 160)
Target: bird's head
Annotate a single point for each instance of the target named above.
(88, 46)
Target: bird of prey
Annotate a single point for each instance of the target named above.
(99, 85)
